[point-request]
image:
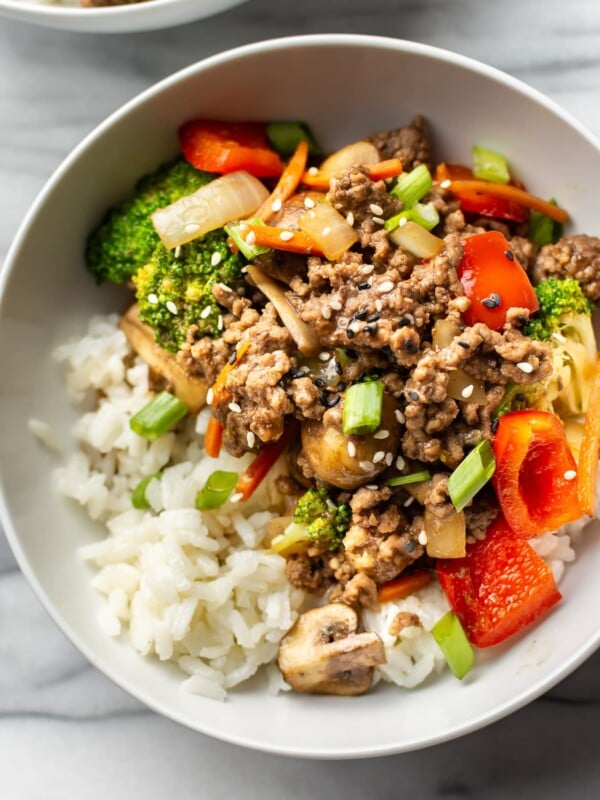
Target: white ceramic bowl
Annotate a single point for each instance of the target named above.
(146, 16)
(344, 86)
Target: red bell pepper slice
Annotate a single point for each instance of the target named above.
(256, 471)
(482, 203)
(493, 280)
(499, 587)
(229, 146)
(535, 473)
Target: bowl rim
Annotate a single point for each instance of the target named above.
(283, 43)
(57, 11)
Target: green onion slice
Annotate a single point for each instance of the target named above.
(412, 186)
(424, 215)
(412, 477)
(362, 408)
(285, 137)
(216, 490)
(138, 497)
(249, 251)
(158, 416)
(489, 165)
(472, 474)
(452, 641)
(542, 229)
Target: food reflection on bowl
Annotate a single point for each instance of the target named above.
(458, 118)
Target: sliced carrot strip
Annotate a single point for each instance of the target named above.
(219, 385)
(283, 239)
(213, 438)
(287, 184)
(512, 193)
(377, 172)
(403, 586)
(587, 471)
(448, 172)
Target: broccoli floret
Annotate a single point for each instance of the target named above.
(174, 288)
(126, 238)
(558, 299)
(317, 520)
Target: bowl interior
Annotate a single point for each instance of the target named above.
(345, 87)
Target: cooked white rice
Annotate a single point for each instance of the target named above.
(197, 588)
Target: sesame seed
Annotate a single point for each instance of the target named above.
(510, 255)
(525, 366)
(373, 318)
(379, 304)
(220, 323)
(372, 486)
(336, 305)
(350, 218)
(370, 329)
(351, 447)
(250, 439)
(389, 457)
(375, 209)
(171, 307)
(446, 184)
(235, 498)
(191, 228)
(349, 333)
(205, 312)
(422, 538)
(324, 356)
(493, 301)
(210, 396)
(215, 259)
(363, 286)
(400, 416)
(402, 222)
(250, 238)
(326, 312)
(153, 299)
(309, 202)
(385, 287)
(368, 269)
(400, 463)
(464, 345)
(379, 456)
(326, 231)
(354, 326)
(177, 251)
(414, 396)
(382, 434)
(408, 502)
(285, 236)
(366, 466)
(378, 220)
(468, 391)
(235, 407)
(276, 205)
(570, 475)
(313, 171)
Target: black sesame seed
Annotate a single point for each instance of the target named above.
(363, 286)
(341, 386)
(338, 368)
(324, 399)
(281, 384)
(494, 425)
(522, 319)
(350, 333)
(520, 398)
(333, 401)
(414, 396)
(233, 357)
(298, 372)
(510, 255)
(370, 329)
(361, 315)
(319, 382)
(493, 301)
(403, 322)
(410, 546)
(464, 345)
(374, 318)
(409, 346)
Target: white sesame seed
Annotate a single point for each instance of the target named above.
(191, 228)
(210, 396)
(379, 456)
(313, 171)
(326, 312)
(525, 366)
(378, 220)
(385, 287)
(153, 299)
(400, 463)
(235, 498)
(250, 238)
(570, 475)
(205, 312)
(177, 251)
(379, 304)
(220, 323)
(366, 466)
(324, 356)
(389, 457)
(372, 486)
(215, 259)
(375, 209)
(408, 502)
(171, 307)
(423, 538)
(244, 270)
(382, 434)
(309, 202)
(354, 327)
(235, 407)
(350, 218)
(400, 416)
(402, 222)
(351, 447)
(276, 205)
(446, 184)
(336, 305)
(468, 391)
(368, 269)
(285, 236)
(250, 439)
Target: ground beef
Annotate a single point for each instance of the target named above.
(402, 620)
(480, 514)
(410, 144)
(313, 574)
(359, 591)
(572, 257)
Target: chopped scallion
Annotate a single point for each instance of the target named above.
(424, 215)
(452, 641)
(216, 490)
(412, 186)
(158, 416)
(489, 165)
(543, 229)
(362, 408)
(472, 474)
(138, 497)
(412, 477)
(250, 251)
(285, 137)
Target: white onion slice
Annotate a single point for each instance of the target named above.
(446, 538)
(230, 197)
(353, 155)
(417, 240)
(328, 229)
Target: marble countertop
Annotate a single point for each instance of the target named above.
(65, 730)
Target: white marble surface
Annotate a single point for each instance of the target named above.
(65, 730)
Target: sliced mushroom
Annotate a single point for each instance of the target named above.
(190, 389)
(324, 654)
